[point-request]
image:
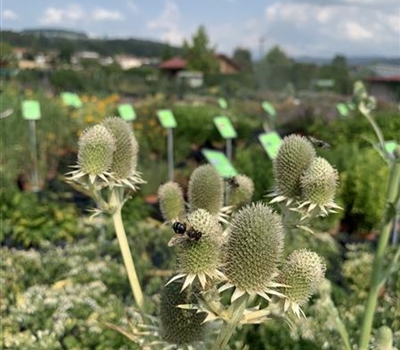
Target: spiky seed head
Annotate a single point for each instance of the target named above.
(241, 194)
(172, 203)
(95, 150)
(206, 190)
(294, 157)
(303, 271)
(180, 326)
(384, 339)
(254, 247)
(202, 220)
(319, 182)
(125, 154)
(202, 256)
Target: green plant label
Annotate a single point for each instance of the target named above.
(71, 99)
(166, 118)
(271, 141)
(225, 127)
(222, 103)
(342, 109)
(390, 146)
(126, 112)
(220, 162)
(268, 108)
(31, 110)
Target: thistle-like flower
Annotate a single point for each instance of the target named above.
(179, 325)
(240, 191)
(123, 167)
(303, 272)
(294, 156)
(172, 203)
(253, 251)
(318, 187)
(95, 155)
(206, 189)
(199, 256)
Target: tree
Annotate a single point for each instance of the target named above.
(167, 53)
(199, 54)
(243, 58)
(7, 57)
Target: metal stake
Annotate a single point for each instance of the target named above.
(170, 141)
(34, 155)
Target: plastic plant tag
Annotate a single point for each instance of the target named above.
(166, 118)
(342, 109)
(222, 103)
(71, 99)
(220, 162)
(269, 108)
(271, 141)
(390, 146)
(126, 112)
(31, 110)
(225, 127)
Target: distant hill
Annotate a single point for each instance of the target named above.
(351, 61)
(54, 39)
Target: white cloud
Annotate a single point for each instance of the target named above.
(167, 23)
(102, 14)
(133, 7)
(356, 32)
(352, 26)
(8, 14)
(73, 13)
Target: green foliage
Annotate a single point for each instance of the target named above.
(67, 80)
(199, 54)
(243, 58)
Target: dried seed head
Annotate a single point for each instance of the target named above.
(294, 157)
(172, 203)
(254, 247)
(319, 182)
(303, 271)
(95, 150)
(206, 190)
(125, 155)
(180, 326)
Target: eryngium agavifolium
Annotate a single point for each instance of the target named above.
(180, 326)
(303, 271)
(95, 150)
(206, 189)
(254, 248)
(172, 203)
(294, 157)
(319, 182)
(201, 256)
(125, 155)
(241, 192)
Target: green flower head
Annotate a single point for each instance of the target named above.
(206, 189)
(178, 325)
(95, 150)
(294, 156)
(254, 248)
(172, 203)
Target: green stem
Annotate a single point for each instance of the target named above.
(340, 326)
(230, 325)
(115, 202)
(393, 188)
(378, 132)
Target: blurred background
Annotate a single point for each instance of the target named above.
(62, 272)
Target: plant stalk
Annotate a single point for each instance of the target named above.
(115, 202)
(393, 188)
(229, 326)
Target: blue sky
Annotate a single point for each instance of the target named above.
(320, 28)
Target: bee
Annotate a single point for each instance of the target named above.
(183, 231)
(319, 143)
(232, 182)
